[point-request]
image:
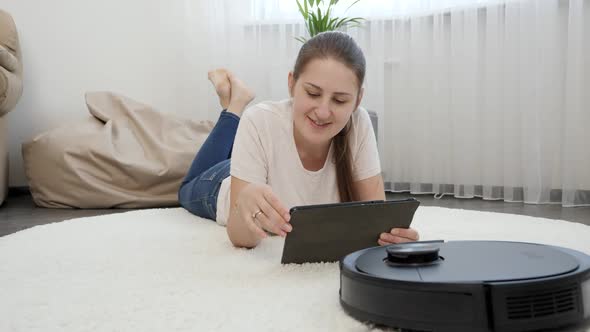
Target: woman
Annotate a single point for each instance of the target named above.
(316, 147)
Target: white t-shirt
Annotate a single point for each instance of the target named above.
(264, 152)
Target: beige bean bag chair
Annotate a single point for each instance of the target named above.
(127, 155)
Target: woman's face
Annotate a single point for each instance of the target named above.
(324, 97)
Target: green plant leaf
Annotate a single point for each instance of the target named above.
(312, 17)
(307, 26)
(326, 19)
(354, 3)
(317, 21)
(339, 23)
(324, 22)
(357, 20)
(349, 21)
(331, 24)
(315, 24)
(303, 13)
(301, 39)
(311, 22)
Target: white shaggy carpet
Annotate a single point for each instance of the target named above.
(167, 270)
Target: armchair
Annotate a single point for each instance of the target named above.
(11, 87)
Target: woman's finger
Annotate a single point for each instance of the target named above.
(268, 224)
(272, 220)
(253, 224)
(399, 239)
(408, 233)
(383, 243)
(387, 237)
(276, 204)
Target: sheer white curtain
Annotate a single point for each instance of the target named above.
(475, 98)
(490, 102)
(281, 10)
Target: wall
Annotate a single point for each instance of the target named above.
(465, 91)
(135, 47)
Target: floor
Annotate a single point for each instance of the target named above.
(19, 212)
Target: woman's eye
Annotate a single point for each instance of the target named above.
(313, 94)
(340, 101)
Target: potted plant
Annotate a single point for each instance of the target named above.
(318, 17)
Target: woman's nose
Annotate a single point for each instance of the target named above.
(323, 110)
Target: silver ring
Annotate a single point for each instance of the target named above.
(256, 214)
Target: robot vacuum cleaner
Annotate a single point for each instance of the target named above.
(468, 286)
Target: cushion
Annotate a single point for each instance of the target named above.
(126, 155)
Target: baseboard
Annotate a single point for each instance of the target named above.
(580, 198)
(18, 191)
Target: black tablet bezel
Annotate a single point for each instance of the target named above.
(308, 247)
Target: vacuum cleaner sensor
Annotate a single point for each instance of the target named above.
(468, 286)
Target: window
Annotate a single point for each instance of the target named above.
(286, 10)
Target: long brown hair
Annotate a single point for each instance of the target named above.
(341, 47)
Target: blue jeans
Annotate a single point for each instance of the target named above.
(200, 188)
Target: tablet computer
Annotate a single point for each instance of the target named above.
(328, 232)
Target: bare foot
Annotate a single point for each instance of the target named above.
(241, 95)
(220, 79)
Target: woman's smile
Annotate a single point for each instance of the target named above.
(318, 124)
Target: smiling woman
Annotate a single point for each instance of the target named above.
(316, 147)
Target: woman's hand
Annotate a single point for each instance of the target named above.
(398, 235)
(261, 210)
